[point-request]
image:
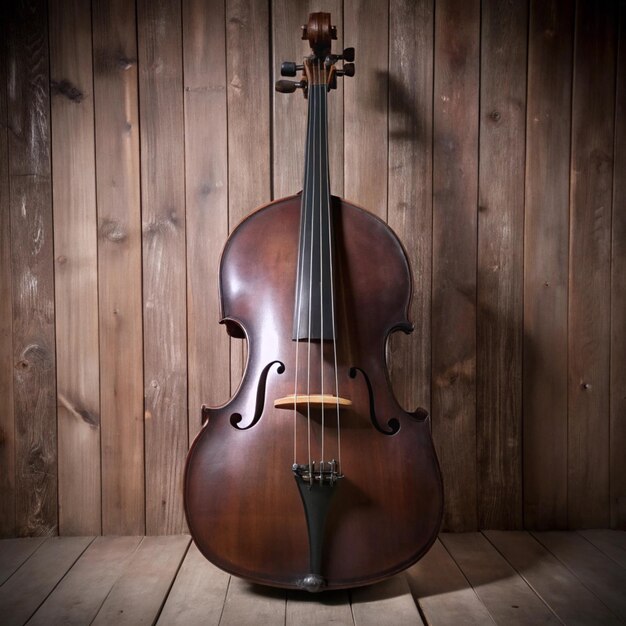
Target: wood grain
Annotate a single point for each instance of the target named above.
(216, 143)
(80, 594)
(206, 191)
(119, 266)
(137, 595)
(7, 418)
(164, 276)
(252, 605)
(410, 206)
(306, 609)
(15, 552)
(546, 237)
(387, 602)
(570, 600)
(617, 435)
(366, 27)
(455, 188)
(443, 593)
(22, 594)
(500, 263)
(34, 384)
(198, 594)
(611, 542)
(249, 153)
(76, 267)
(601, 576)
(505, 594)
(591, 182)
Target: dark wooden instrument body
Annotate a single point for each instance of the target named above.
(242, 504)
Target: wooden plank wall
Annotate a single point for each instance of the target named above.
(133, 137)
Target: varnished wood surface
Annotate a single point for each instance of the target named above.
(492, 578)
(214, 141)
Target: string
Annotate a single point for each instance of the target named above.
(322, 93)
(332, 294)
(316, 192)
(305, 195)
(308, 391)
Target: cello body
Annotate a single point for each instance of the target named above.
(372, 505)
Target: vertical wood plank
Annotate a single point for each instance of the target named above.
(366, 27)
(546, 237)
(589, 252)
(164, 267)
(206, 178)
(249, 152)
(76, 267)
(455, 182)
(32, 269)
(500, 263)
(290, 111)
(618, 294)
(119, 266)
(7, 418)
(410, 186)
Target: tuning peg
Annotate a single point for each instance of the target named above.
(348, 55)
(346, 70)
(289, 68)
(288, 86)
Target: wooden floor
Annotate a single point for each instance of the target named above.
(475, 578)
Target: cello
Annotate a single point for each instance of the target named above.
(312, 476)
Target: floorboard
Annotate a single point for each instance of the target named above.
(602, 576)
(15, 552)
(80, 594)
(305, 609)
(198, 593)
(502, 577)
(611, 542)
(30, 585)
(389, 602)
(139, 593)
(444, 595)
(570, 600)
(505, 594)
(252, 605)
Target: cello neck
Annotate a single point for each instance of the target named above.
(314, 288)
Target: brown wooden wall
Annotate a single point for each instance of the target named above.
(491, 136)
